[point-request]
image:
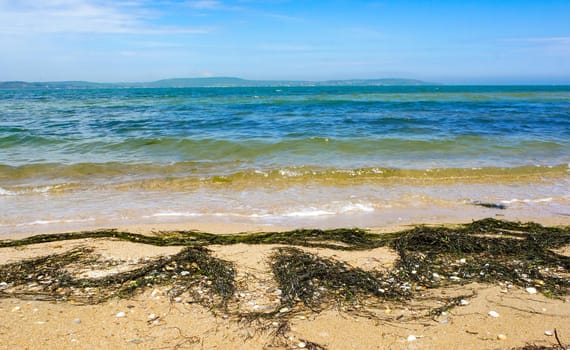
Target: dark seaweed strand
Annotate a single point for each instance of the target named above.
(52, 282)
(485, 251)
(344, 239)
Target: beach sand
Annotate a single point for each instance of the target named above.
(153, 320)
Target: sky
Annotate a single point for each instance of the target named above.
(453, 42)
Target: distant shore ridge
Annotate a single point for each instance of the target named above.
(211, 82)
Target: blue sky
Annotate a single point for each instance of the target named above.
(457, 42)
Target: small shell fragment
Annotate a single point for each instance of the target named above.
(501, 337)
(464, 302)
(493, 314)
(531, 290)
(412, 337)
(549, 333)
(121, 314)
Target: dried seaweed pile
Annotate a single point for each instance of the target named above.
(51, 277)
(485, 251)
(313, 280)
(489, 251)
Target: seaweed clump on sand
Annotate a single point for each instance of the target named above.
(52, 278)
(313, 280)
(487, 251)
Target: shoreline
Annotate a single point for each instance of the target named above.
(155, 318)
(220, 227)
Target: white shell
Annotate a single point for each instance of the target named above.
(121, 314)
(493, 314)
(412, 337)
(531, 290)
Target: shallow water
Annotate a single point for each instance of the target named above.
(303, 156)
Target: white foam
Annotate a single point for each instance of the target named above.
(357, 207)
(334, 209)
(40, 222)
(309, 213)
(173, 213)
(537, 200)
(289, 173)
(4, 192)
(43, 189)
(58, 221)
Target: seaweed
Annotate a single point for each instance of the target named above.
(490, 205)
(49, 278)
(485, 251)
(488, 250)
(315, 280)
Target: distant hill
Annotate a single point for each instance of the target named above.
(209, 82)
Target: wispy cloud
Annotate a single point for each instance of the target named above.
(83, 16)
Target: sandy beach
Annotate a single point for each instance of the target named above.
(495, 315)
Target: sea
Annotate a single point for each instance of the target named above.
(305, 156)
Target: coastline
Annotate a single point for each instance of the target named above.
(154, 319)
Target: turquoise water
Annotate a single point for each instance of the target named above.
(314, 142)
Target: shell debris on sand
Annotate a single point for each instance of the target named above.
(494, 314)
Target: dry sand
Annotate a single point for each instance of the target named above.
(154, 321)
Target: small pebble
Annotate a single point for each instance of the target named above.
(549, 333)
(178, 299)
(412, 337)
(77, 321)
(302, 345)
(121, 314)
(184, 273)
(152, 316)
(501, 337)
(493, 314)
(531, 290)
(464, 302)
(16, 308)
(463, 261)
(284, 310)
(435, 276)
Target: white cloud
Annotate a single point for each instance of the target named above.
(82, 16)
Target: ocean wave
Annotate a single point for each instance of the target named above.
(185, 176)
